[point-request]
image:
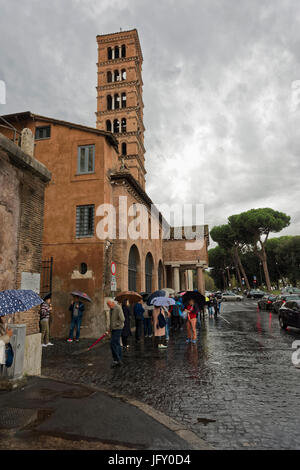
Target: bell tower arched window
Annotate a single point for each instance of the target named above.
(123, 50)
(117, 75)
(109, 53)
(109, 101)
(116, 126)
(124, 148)
(109, 76)
(123, 100)
(108, 125)
(123, 124)
(117, 101)
(123, 74)
(117, 52)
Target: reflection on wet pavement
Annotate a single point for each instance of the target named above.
(237, 388)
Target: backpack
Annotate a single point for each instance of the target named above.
(175, 310)
(9, 355)
(161, 321)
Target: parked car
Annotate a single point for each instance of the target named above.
(290, 290)
(255, 294)
(289, 314)
(266, 302)
(282, 299)
(218, 294)
(229, 295)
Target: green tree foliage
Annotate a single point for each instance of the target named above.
(209, 282)
(253, 228)
(219, 259)
(229, 240)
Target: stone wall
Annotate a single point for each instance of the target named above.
(22, 186)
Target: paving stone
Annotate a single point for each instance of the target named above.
(253, 394)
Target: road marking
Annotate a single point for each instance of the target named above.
(224, 319)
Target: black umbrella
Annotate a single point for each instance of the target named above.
(157, 293)
(196, 296)
(82, 295)
(145, 295)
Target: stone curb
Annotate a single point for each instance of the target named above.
(170, 423)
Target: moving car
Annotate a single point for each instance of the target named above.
(289, 314)
(266, 302)
(229, 295)
(255, 294)
(282, 299)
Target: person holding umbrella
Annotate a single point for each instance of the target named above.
(76, 308)
(191, 322)
(159, 319)
(45, 310)
(138, 311)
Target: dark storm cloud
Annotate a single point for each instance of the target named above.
(220, 128)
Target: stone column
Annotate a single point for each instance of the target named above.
(190, 280)
(182, 280)
(176, 279)
(200, 280)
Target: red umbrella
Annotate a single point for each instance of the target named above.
(99, 339)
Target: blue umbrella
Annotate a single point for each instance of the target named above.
(162, 301)
(157, 293)
(13, 301)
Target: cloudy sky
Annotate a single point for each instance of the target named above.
(221, 90)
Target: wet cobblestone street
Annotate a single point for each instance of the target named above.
(237, 388)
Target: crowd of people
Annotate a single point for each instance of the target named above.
(156, 322)
(150, 321)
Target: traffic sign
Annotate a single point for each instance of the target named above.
(113, 283)
(113, 268)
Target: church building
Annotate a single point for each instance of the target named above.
(93, 168)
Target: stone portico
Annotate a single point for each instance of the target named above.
(181, 263)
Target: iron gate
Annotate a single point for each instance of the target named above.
(46, 276)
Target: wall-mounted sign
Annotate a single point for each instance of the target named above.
(31, 281)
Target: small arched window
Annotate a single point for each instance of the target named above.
(108, 125)
(117, 101)
(123, 100)
(123, 74)
(109, 101)
(117, 75)
(116, 126)
(123, 50)
(123, 125)
(109, 77)
(109, 53)
(117, 52)
(124, 148)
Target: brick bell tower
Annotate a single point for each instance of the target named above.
(119, 96)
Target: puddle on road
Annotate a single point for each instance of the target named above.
(205, 421)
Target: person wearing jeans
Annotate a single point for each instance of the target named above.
(147, 320)
(76, 308)
(138, 311)
(117, 320)
(167, 317)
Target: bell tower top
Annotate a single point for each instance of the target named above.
(120, 96)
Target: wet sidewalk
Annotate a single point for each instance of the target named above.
(53, 414)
